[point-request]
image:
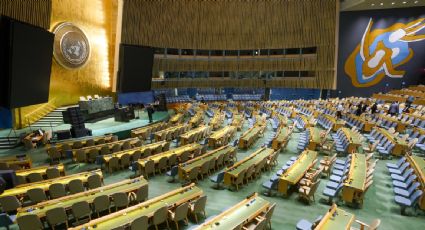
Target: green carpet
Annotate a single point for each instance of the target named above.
(379, 200)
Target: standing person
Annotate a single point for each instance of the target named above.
(374, 108)
(359, 109)
(339, 110)
(409, 102)
(393, 110)
(150, 111)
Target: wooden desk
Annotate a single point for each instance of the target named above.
(185, 138)
(197, 162)
(336, 124)
(336, 219)
(219, 135)
(297, 170)
(281, 138)
(21, 190)
(250, 136)
(315, 139)
(231, 173)
(40, 209)
(13, 161)
(126, 216)
(401, 126)
(152, 146)
(217, 121)
(144, 132)
(353, 139)
(238, 121)
(177, 118)
(196, 119)
(40, 169)
(240, 214)
(418, 164)
(110, 145)
(354, 186)
(191, 148)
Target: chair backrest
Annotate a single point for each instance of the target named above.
(77, 145)
(29, 222)
(101, 203)
(36, 195)
(9, 203)
(56, 216)
(205, 167)
(142, 193)
(375, 224)
(52, 173)
(34, 177)
(81, 155)
(160, 215)
(162, 163)
(172, 160)
(57, 190)
(415, 197)
(193, 174)
(76, 186)
(120, 199)
(199, 204)
(81, 209)
(125, 160)
(140, 223)
(94, 181)
(149, 166)
(90, 142)
(104, 150)
(240, 177)
(413, 187)
(181, 211)
(116, 148)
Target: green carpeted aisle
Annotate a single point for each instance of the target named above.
(379, 200)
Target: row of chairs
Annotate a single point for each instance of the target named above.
(209, 167)
(381, 143)
(309, 184)
(272, 183)
(165, 163)
(56, 190)
(328, 111)
(178, 99)
(284, 111)
(168, 135)
(254, 171)
(300, 123)
(246, 97)
(84, 211)
(304, 140)
(356, 122)
(305, 111)
(342, 142)
(406, 188)
(211, 97)
(145, 132)
(325, 122)
(339, 174)
(51, 173)
(91, 156)
(384, 121)
(413, 120)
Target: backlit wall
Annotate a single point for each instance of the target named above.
(380, 50)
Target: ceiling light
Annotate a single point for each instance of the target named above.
(392, 3)
(373, 4)
(382, 4)
(416, 2)
(404, 2)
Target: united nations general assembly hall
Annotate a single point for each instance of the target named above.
(212, 114)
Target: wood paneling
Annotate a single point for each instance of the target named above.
(35, 12)
(237, 24)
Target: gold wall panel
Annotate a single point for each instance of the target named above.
(237, 24)
(97, 18)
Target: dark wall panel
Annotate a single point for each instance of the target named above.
(135, 68)
(394, 45)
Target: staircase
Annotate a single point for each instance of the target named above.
(52, 119)
(8, 142)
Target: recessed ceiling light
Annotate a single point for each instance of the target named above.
(392, 3)
(404, 2)
(373, 4)
(382, 4)
(416, 2)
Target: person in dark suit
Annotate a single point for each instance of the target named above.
(150, 111)
(393, 110)
(373, 108)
